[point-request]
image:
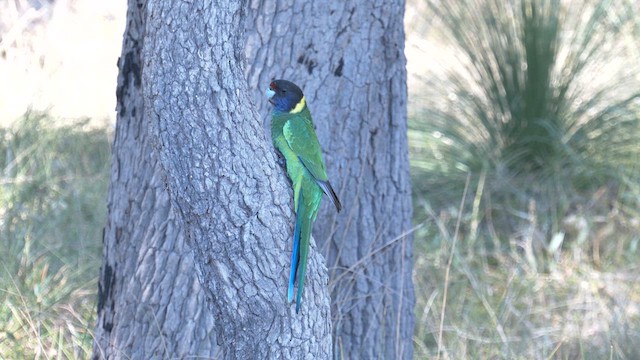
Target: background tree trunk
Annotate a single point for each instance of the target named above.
(349, 59)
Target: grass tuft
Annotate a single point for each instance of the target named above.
(53, 188)
(539, 107)
(541, 102)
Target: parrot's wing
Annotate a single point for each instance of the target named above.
(303, 141)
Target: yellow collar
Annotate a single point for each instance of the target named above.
(299, 107)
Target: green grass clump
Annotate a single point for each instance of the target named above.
(537, 115)
(543, 102)
(53, 188)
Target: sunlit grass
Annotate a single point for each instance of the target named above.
(52, 193)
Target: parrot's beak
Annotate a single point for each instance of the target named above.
(270, 94)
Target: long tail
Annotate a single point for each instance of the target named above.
(300, 254)
(295, 255)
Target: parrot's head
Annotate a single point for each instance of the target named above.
(285, 96)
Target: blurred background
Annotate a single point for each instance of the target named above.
(524, 145)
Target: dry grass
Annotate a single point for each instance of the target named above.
(53, 183)
(500, 306)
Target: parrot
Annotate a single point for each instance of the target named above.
(293, 135)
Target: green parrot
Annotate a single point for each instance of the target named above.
(293, 135)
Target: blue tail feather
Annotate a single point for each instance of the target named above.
(295, 257)
(300, 254)
(305, 234)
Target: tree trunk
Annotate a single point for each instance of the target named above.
(229, 197)
(348, 56)
(222, 176)
(150, 304)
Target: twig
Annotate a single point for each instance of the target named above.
(446, 273)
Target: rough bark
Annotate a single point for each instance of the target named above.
(150, 303)
(232, 200)
(223, 177)
(348, 56)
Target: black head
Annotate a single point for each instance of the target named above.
(284, 95)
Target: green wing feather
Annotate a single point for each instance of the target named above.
(302, 139)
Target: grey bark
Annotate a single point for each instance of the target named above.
(348, 56)
(150, 304)
(231, 200)
(223, 177)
